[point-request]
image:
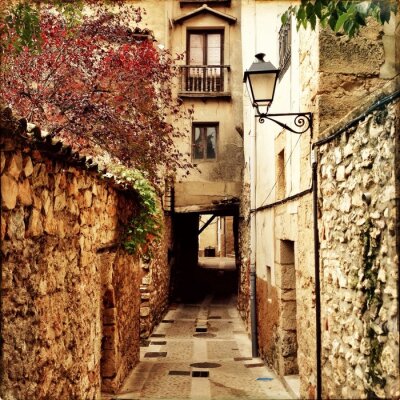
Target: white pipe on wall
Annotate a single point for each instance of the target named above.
(253, 238)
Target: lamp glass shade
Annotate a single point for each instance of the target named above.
(261, 79)
(263, 87)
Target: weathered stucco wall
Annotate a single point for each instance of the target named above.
(62, 279)
(219, 178)
(359, 261)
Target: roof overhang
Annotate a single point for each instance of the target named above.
(204, 9)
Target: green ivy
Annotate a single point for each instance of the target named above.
(372, 304)
(341, 16)
(21, 27)
(145, 226)
(20, 23)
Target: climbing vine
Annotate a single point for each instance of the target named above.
(143, 229)
(372, 304)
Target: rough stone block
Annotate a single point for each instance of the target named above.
(2, 161)
(88, 198)
(25, 193)
(87, 217)
(285, 276)
(40, 176)
(144, 311)
(3, 227)
(60, 184)
(16, 225)
(341, 173)
(35, 227)
(288, 315)
(47, 202)
(9, 192)
(72, 187)
(15, 166)
(28, 167)
(59, 202)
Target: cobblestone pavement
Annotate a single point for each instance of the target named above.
(201, 351)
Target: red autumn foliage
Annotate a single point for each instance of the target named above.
(102, 84)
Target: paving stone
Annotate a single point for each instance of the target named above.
(184, 371)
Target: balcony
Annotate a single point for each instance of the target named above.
(205, 81)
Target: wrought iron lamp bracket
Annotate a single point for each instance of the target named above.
(302, 121)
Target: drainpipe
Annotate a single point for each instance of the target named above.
(253, 303)
(317, 272)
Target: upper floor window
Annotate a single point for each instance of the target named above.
(204, 72)
(204, 141)
(285, 49)
(205, 47)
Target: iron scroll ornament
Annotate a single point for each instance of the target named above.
(303, 121)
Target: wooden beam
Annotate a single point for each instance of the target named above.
(206, 224)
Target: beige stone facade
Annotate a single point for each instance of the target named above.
(210, 81)
(328, 75)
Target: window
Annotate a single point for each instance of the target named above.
(204, 72)
(285, 47)
(205, 48)
(204, 141)
(280, 174)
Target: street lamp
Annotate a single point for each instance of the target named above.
(261, 82)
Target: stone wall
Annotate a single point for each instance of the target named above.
(337, 74)
(70, 296)
(359, 260)
(243, 303)
(120, 278)
(268, 323)
(154, 288)
(352, 69)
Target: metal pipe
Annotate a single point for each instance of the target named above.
(386, 100)
(253, 238)
(283, 201)
(317, 275)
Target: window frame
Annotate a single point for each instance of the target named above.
(205, 32)
(204, 140)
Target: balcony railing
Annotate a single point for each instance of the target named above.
(205, 80)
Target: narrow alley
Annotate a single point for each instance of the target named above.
(199, 200)
(201, 350)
